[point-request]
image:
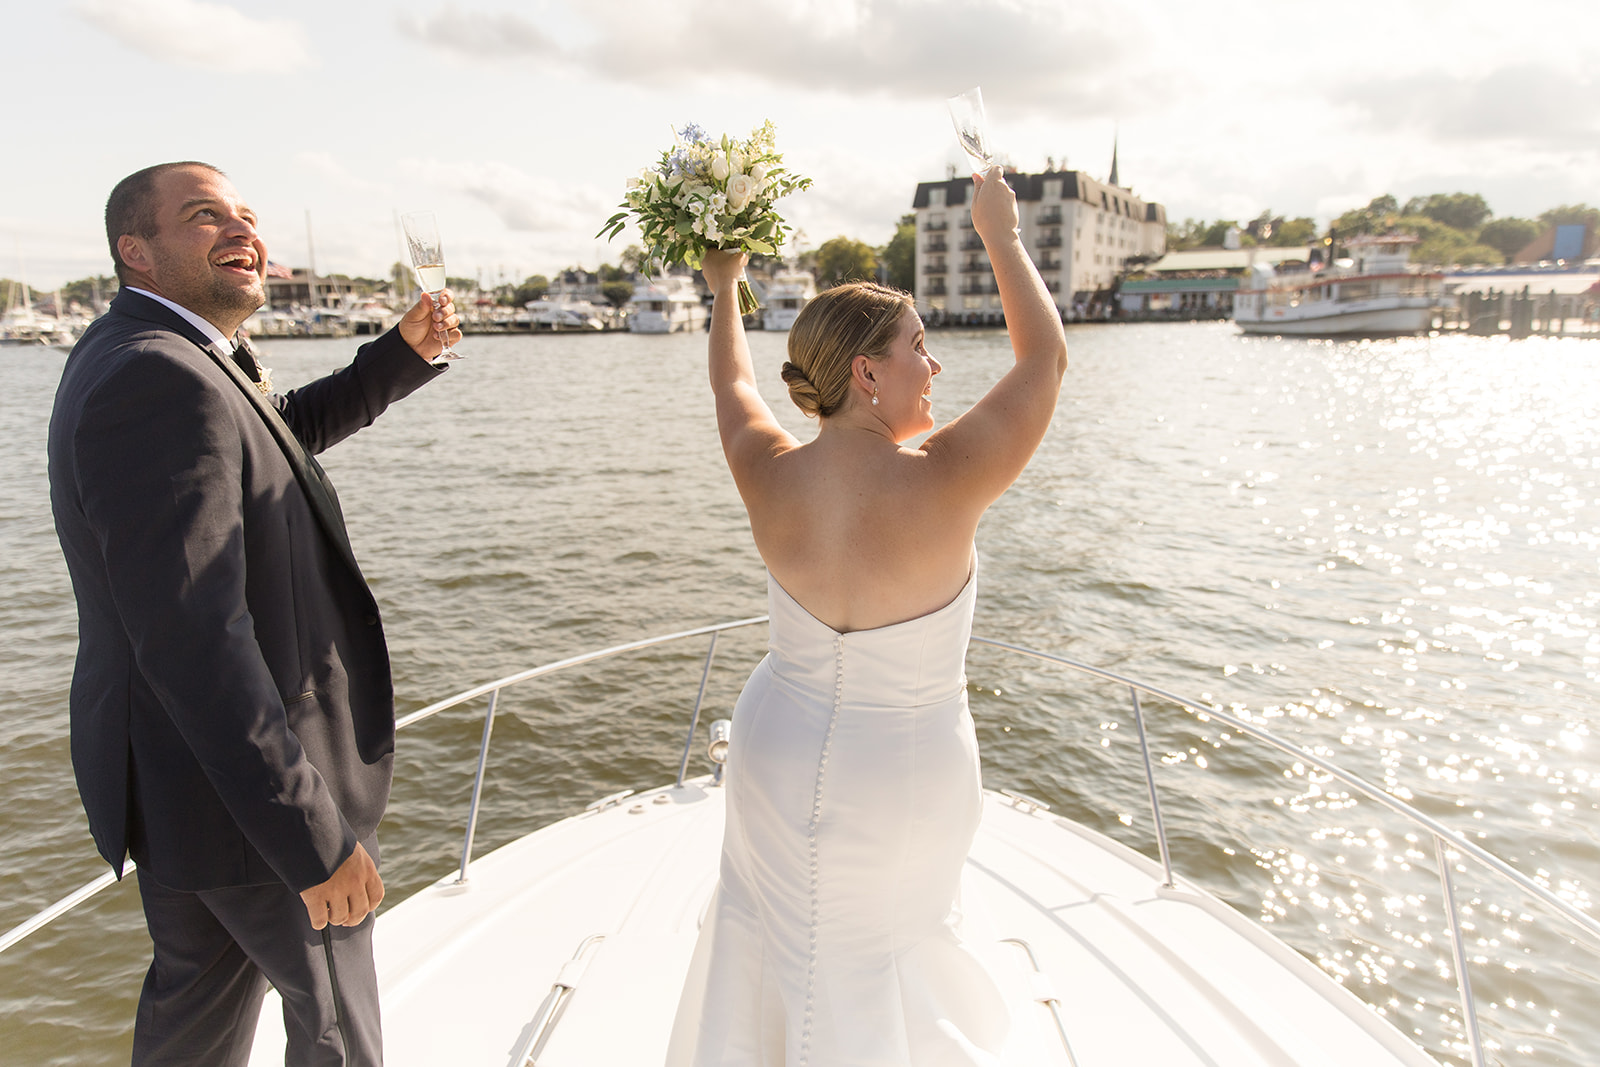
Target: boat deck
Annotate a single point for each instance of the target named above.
(1141, 974)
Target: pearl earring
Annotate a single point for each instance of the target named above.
(874, 396)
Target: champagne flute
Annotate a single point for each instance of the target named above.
(966, 112)
(427, 260)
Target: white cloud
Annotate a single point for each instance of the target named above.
(851, 197)
(477, 36)
(324, 165)
(1044, 56)
(1525, 103)
(200, 35)
(521, 201)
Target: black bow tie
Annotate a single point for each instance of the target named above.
(242, 353)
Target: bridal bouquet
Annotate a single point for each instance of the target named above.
(707, 194)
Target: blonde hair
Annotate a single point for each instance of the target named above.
(849, 320)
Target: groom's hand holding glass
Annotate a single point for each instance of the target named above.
(430, 327)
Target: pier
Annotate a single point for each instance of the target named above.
(1523, 314)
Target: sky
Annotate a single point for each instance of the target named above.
(519, 123)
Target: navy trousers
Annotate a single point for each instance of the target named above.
(217, 951)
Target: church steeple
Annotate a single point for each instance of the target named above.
(1113, 179)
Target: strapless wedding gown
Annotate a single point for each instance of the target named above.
(834, 934)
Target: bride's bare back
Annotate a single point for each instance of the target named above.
(862, 531)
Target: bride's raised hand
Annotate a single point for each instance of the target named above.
(723, 269)
(994, 206)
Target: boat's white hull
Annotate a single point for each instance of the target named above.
(1400, 315)
(780, 319)
(687, 321)
(1143, 974)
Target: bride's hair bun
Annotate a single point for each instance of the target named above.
(835, 326)
(801, 391)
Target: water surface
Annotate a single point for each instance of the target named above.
(1385, 551)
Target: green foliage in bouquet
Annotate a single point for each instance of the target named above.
(707, 194)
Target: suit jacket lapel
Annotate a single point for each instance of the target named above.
(312, 478)
(307, 471)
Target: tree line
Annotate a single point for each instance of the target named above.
(1451, 228)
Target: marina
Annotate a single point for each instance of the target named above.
(1382, 551)
(21, 324)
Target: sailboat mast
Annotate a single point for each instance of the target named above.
(311, 268)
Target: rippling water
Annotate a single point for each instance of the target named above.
(1385, 552)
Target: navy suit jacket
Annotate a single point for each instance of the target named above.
(232, 709)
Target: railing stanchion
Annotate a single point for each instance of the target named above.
(1586, 925)
(1469, 1010)
(1150, 783)
(477, 787)
(694, 719)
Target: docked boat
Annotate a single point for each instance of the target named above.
(368, 315)
(559, 313)
(568, 946)
(1376, 294)
(21, 324)
(787, 293)
(669, 304)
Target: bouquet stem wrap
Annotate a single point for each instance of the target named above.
(747, 297)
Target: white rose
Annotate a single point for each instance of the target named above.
(759, 172)
(735, 160)
(719, 168)
(741, 187)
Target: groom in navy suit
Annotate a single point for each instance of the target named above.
(232, 710)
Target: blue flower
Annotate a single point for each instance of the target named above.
(692, 133)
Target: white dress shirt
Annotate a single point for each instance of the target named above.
(213, 334)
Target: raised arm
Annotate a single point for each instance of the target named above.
(326, 411)
(749, 431)
(984, 450)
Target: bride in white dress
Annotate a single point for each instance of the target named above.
(834, 936)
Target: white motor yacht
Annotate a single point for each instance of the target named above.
(1377, 294)
(560, 313)
(787, 293)
(670, 304)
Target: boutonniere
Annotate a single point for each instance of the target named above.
(265, 384)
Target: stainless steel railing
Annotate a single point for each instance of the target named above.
(1446, 840)
(492, 690)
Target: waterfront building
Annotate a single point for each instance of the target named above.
(1079, 231)
(1199, 283)
(299, 287)
(575, 283)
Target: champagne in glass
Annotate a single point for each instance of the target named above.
(427, 259)
(966, 113)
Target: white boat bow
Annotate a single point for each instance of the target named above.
(569, 946)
